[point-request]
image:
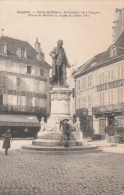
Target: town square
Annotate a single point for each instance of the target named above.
(61, 98)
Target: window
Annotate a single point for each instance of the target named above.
(109, 98)
(81, 101)
(84, 82)
(29, 69)
(119, 72)
(103, 77)
(102, 125)
(122, 71)
(101, 98)
(122, 97)
(76, 85)
(89, 80)
(19, 100)
(113, 51)
(109, 75)
(18, 81)
(37, 102)
(78, 102)
(41, 72)
(89, 101)
(29, 101)
(1, 99)
(22, 53)
(112, 75)
(119, 95)
(3, 49)
(79, 84)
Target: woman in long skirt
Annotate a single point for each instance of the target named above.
(6, 141)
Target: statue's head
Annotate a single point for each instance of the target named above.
(59, 43)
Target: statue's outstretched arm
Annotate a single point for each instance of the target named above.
(67, 62)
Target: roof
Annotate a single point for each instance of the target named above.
(12, 47)
(101, 58)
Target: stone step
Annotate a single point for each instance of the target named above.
(53, 143)
(50, 135)
(77, 148)
(57, 135)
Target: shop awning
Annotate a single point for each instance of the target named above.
(19, 120)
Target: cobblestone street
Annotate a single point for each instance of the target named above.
(61, 173)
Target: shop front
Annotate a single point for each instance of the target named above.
(114, 125)
(20, 125)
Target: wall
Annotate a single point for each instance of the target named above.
(17, 79)
(88, 95)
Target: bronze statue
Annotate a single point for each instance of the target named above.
(60, 62)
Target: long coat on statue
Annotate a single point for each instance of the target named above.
(59, 60)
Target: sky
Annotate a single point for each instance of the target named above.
(83, 37)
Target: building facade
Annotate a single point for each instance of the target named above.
(100, 88)
(24, 85)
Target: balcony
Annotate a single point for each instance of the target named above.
(113, 108)
(21, 109)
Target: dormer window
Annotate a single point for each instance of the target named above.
(22, 53)
(3, 49)
(113, 52)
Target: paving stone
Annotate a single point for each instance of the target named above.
(61, 173)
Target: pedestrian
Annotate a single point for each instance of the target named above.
(6, 140)
(66, 132)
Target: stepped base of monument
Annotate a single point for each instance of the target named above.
(54, 143)
(60, 148)
(51, 141)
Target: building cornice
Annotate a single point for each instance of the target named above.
(101, 65)
(23, 75)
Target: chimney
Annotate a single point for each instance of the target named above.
(118, 24)
(40, 54)
(37, 46)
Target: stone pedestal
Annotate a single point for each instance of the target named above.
(60, 107)
(53, 139)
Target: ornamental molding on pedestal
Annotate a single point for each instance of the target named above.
(60, 96)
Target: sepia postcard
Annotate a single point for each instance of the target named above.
(61, 97)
